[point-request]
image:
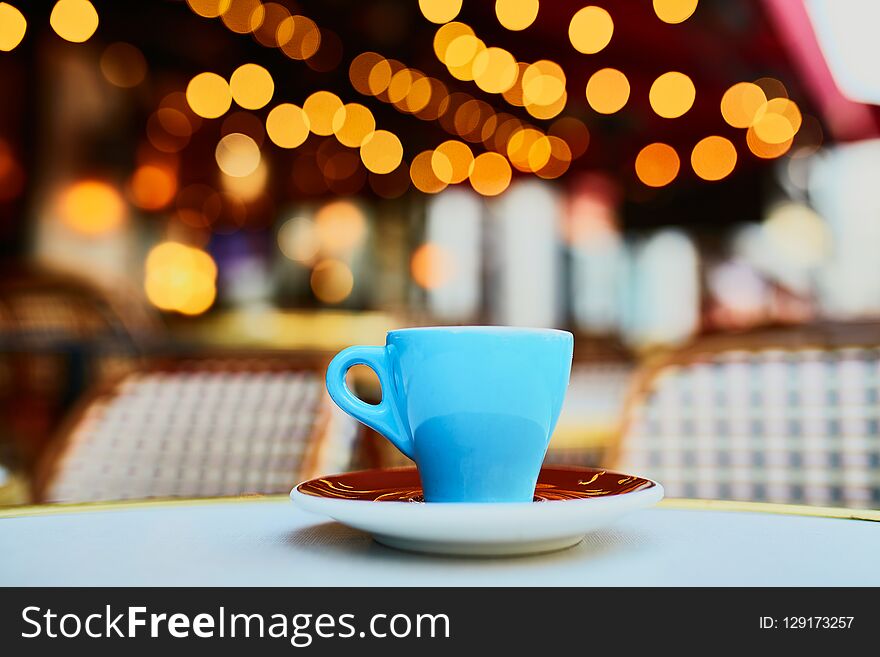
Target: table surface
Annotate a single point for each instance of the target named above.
(267, 541)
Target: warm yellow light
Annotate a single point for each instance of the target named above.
(590, 30)
(657, 165)
(418, 97)
(153, 186)
(543, 83)
(422, 174)
(180, 278)
(519, 147)
(332, 281)
(446, 34)
(460, 56)
(208, 95)
(740, 104)
(299, 37)
(12, 26)
(379, 77)
(247, 188)
(548, 111)
(452, 161)
(352, 123)
(359, 71)
(243, 16)
(777, 121)
(607, 91)
(381, 151)
(92, 207)
(559, 160)
(516, 14)
(74, 20)
(340, 227)
(298, 240)
(495, 70)
(440, 11)
(763, 149)
(209, 8)
(674, 11)
(287, 125)
(431, 266)
(251, 86)
(490, 174)
(321, 107)
(713, 158)
(237, 155)
(400, 84)
(672, 94)
(514, 95)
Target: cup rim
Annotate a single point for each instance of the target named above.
(522, 330)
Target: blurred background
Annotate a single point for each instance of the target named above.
(202, 200)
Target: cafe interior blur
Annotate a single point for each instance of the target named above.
(202, 201)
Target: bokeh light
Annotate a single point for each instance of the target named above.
(353, 123)
(451, 161)
(74, 20)
(516, 15)
(321, 107)
(340, 227)
(180, 278)
(243, 16)
(332, 281)
(543, 83)
(251, 86)
(287, 125)
(431, 266)
(440, 11)
(153, 186)
(359, 71)
(248, 188)
(209, 8)
(490, 174)
(713, 158)
(208, 95)
(765, 150)
(299, 37)
(590, 30)
(741, 103)
(672, 94)
(12, 27)
(777, 121)
(607, 91)
(298, 240)
(237, 155)
(123, 65)
(421, 172)
(446, 34)
(495, 70)
(92, 207)
(381, 151)
(657, 165)
(675, 11)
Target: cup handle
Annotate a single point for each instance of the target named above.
(382, 416)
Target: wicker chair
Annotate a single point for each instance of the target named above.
(199, 428)
(786, 424)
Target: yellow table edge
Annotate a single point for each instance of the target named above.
(869, 515)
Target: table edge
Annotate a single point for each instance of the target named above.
(870, 515)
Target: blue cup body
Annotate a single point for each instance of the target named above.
(474, 407)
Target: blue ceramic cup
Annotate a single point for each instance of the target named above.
(473, 406)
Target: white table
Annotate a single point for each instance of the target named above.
(269, 542)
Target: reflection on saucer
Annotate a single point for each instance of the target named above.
(403, 485)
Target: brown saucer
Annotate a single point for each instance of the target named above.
(403, 485)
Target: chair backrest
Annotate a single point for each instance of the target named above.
(797, 426)
(202, 428)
